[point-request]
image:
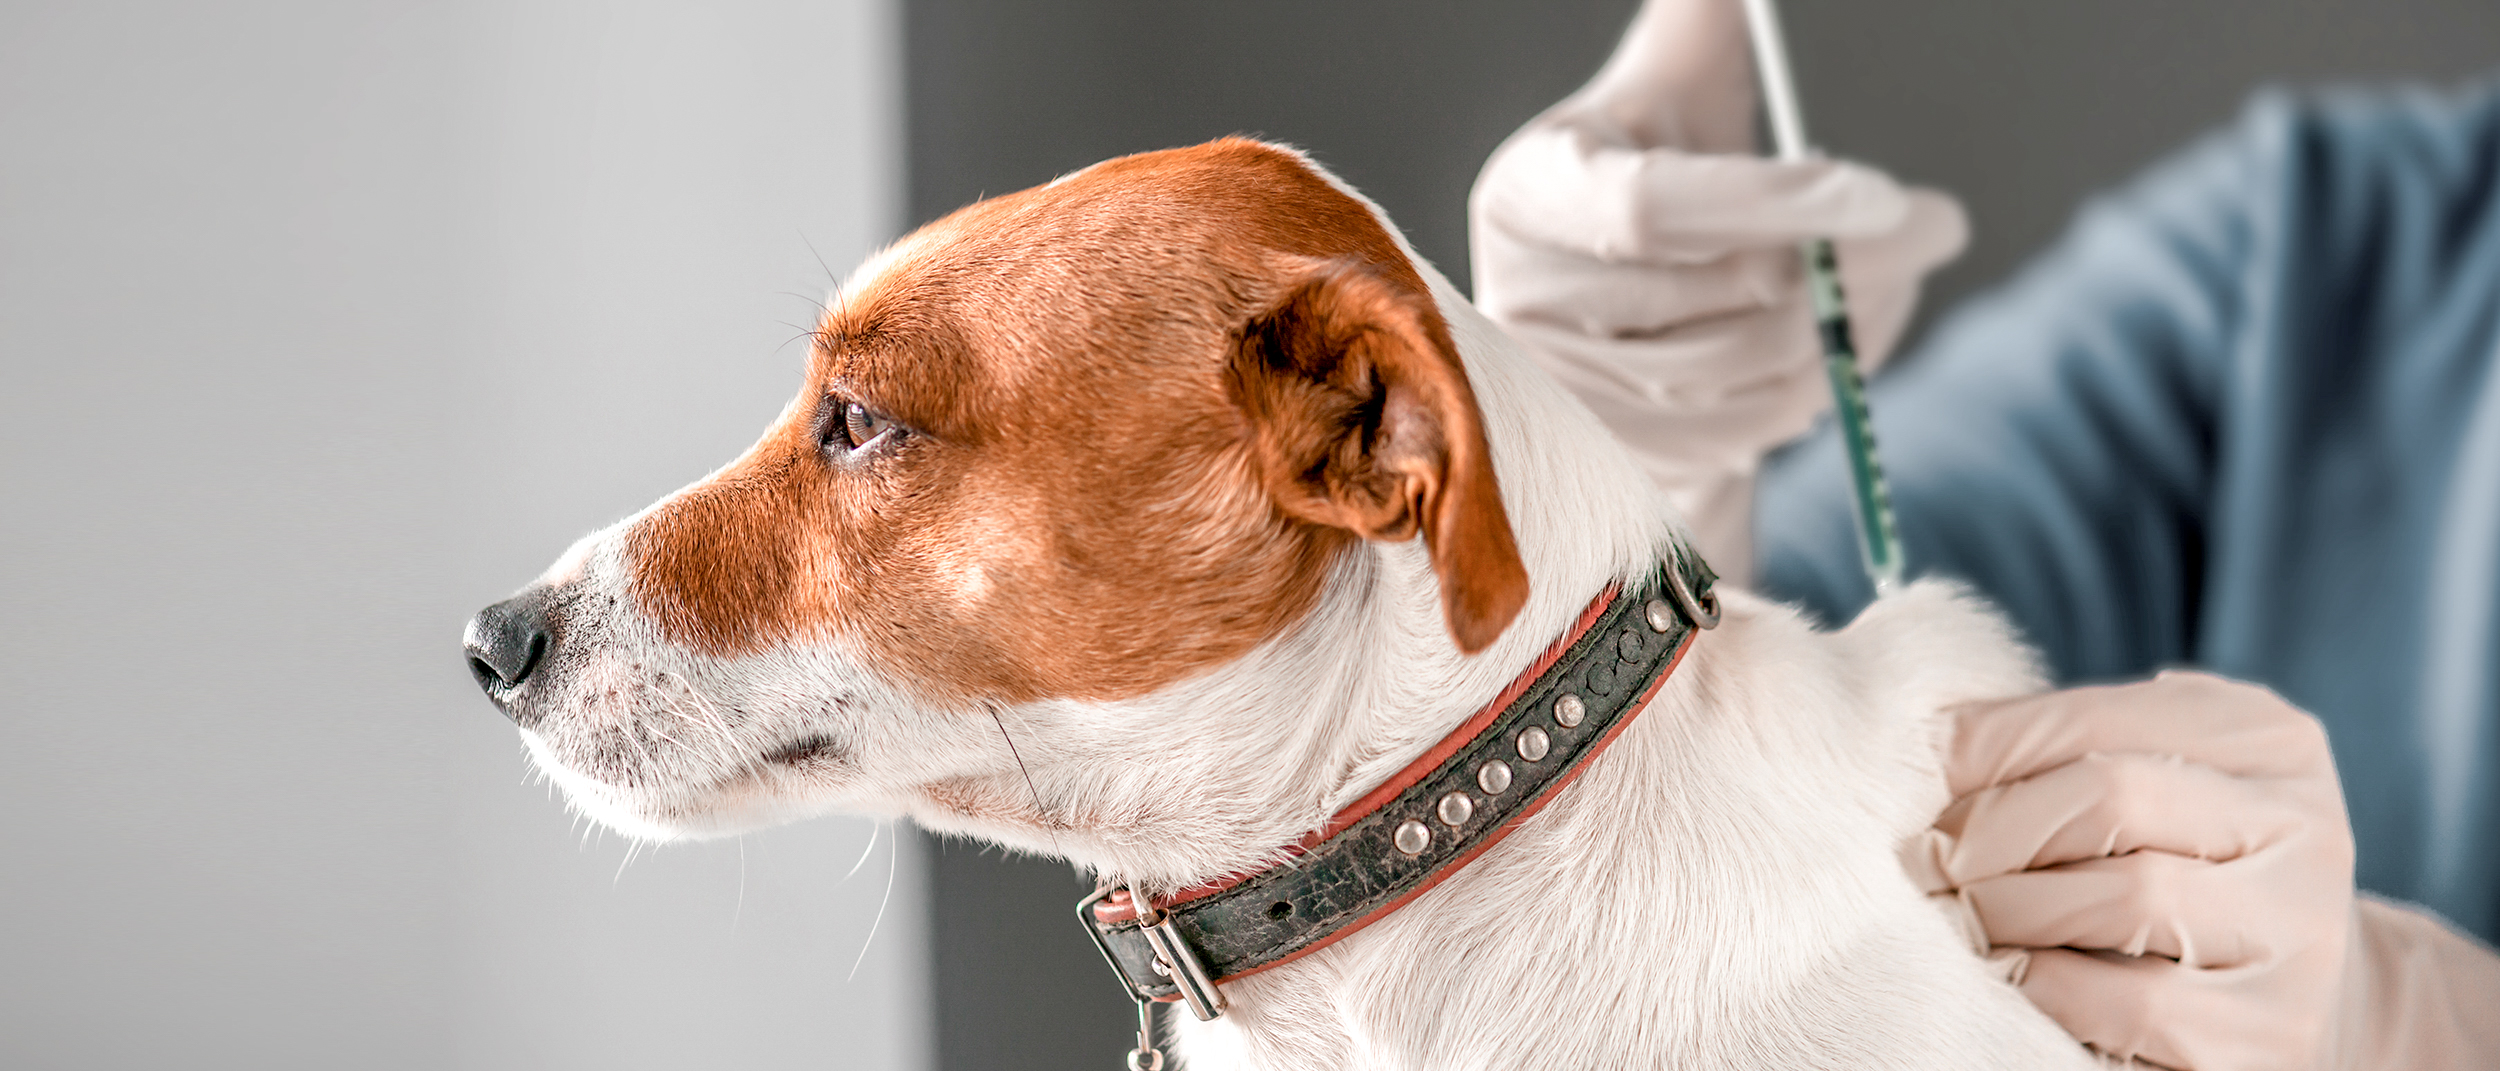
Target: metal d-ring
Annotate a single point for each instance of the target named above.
(1703, 610)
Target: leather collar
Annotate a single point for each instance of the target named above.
(1420, 827)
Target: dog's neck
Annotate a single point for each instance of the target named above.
(1585, 516)
(1371, 679)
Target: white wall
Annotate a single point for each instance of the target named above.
(322, 325)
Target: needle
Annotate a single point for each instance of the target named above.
(1878, 538)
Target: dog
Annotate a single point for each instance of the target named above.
(1150, 518)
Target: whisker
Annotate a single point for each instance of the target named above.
(830, 278)
(711, 721)
(631, 850)
(821, 307)
(634, 739)
(865, 852)
(727, 756)
(1050, 825)
(663, 734)
(893, 862)
(709, 711)
(777, 348)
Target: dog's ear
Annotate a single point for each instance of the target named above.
(1363, 420)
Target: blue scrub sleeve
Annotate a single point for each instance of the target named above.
(2245, 415)
(2050, 443)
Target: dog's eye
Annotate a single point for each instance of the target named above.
(856, 426)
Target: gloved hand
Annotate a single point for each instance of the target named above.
(1631, 239)
(2163, 867)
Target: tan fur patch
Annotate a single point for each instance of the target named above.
(1077, 508)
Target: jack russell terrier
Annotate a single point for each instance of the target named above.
(1176, 519)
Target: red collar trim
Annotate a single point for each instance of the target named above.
(1437, 814)
(1118, 908)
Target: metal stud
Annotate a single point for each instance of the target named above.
(1533, 743)
(1162, 969)
(1661, 616)
(1412, 837)
(1456, 809)
(1493, 777)
(1568, 711)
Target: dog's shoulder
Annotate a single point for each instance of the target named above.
(1916, 654)
(1936, 643)
(1876, 695)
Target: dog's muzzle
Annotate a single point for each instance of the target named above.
(506, 642)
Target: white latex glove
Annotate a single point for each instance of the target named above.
(1631, 239)
(2166, 869)
(2163, 867)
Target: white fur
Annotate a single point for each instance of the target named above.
(1718, 889)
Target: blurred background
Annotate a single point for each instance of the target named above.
(325, 324)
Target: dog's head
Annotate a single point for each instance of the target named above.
(1057, 451)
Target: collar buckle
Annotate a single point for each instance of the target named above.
(1174, 957)
(1175, 964)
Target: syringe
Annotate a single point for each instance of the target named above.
(1877, 537)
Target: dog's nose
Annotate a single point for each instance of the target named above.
(508, 640)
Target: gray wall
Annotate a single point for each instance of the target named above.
(2022, 108)
(322, 325)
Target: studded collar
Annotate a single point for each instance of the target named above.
(1441, 811)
